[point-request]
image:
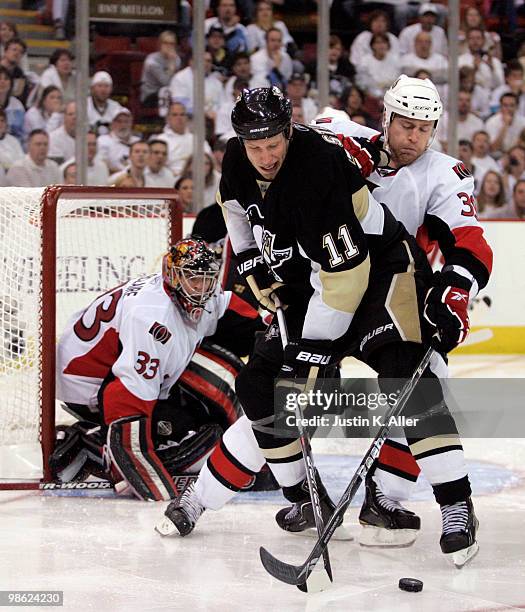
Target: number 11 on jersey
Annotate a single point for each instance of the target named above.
(350, 250)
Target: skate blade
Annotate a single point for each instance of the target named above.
(166, 528)
(340, 534)
(462, 557)
(387, 538)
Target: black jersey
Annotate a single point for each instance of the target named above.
(309, 224)
(236, 329)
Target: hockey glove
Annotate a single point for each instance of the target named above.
(307, 359)
(304, 363)
(369, 154)
(446, 307)
(253, 269)
(79, 452)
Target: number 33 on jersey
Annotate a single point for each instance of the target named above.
(135, 342)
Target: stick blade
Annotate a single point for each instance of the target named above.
(319, 580)
(285, 572)
(316, 581)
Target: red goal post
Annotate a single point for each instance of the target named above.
(62, 246)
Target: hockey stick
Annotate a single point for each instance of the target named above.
(321, 580)
(180, 481)
(298, 574)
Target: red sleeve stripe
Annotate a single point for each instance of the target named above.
(401, 460)
(225, 470)
(211, 392)
(118, 402)
(472, 240)
(242, 308)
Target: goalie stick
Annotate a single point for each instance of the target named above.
(321, 580)
(180, 482)
(298, 574)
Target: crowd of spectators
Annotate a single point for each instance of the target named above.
(247, 46)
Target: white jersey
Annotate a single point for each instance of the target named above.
(136, 341)
(434, 199)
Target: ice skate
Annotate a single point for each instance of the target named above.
(299, 518)
(458, 540)
(181, 515)
(385, 521)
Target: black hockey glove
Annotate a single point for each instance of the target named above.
(305, 362)
(79, 452)
(253, 269)
(446, 307)
(369, 154)
(306, 359)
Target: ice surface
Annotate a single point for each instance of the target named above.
(104, 554)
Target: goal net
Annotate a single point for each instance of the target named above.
(60, 247)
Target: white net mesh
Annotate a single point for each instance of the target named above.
(101, 243)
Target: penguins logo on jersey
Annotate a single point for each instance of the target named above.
(256, 219)
(254, 214)
(335, 139)
(265, 239)
(272, 332)
(332, 139)
(273, 257)
(326, 135)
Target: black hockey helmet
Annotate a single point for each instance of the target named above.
(262, 112)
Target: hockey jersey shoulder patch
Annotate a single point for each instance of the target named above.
(160, 332)
(461, 170)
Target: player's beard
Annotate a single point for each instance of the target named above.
(404, 157)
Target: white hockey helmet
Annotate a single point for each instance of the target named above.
(413, 98)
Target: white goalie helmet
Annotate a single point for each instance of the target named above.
(413, 98)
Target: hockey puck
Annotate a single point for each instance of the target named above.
(411, 584)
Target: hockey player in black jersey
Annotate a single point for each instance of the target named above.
(305, 228)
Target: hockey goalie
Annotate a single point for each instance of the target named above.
(152, 400)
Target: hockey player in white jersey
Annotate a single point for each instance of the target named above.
(432, 194)
(120, 359)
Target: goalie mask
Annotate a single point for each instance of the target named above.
(415, 99)
(190, 272)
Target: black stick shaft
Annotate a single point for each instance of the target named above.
(299, 574)
(306, 450)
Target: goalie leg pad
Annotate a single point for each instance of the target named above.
(210, 378)
(189, 455)
(133, 456)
